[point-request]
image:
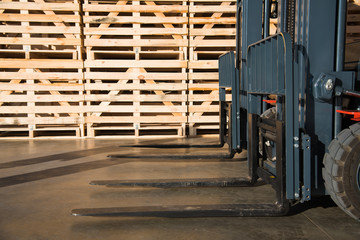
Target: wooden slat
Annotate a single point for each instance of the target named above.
(135, 20)
(208, 20)
(123, 76)
(39, 18)
(213, 32)
(147, 119)
(83, 109)
(40, 6)
(204, 76)
(213, 43)
(40, 63)
(132, 8)
(144, 87)
(134, 31)
(42, 98)
(41, 75)
(206, 64)
(201, 109)
(41, 87)
(136, 43)
(132, 98)
(212, 9)
(140, 63)
(40, 41)
(40, 120)
(39, 29)
(203, 119)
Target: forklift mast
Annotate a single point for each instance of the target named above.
(302, 69)
(286, 110)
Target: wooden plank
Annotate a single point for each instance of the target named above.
(206, 64)
(203, 119)
(41, 87)
(134, 8)
(39, 18)
(213, 43)
(40, 41)
(120, 75)
(39, 120)
(41, 109)
(202, 109)
(212, 20)
(132, 98)
(212, 1)
(147, 119)
(136, 43)
(353, 17)
(83, 109)
(144, 87)
(212, 9)
(134, 31)
(38, 29)
(129, 64)
(40, 63)
(353, 29)
(42, 98)
(204, 76)
(206, 97)
(134, 20)
(213, 32)
(4, 1)
(41, 75)
(204, 87)
(64, 6)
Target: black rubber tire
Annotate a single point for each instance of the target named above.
(341, 170)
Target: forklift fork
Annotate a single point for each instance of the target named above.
(279, 208)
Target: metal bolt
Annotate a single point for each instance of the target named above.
(329, 85)
(296, 138)
(296, 145)
(296, 195)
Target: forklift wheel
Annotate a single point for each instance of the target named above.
(341, 170)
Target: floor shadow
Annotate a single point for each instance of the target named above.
(61, 156)
(81, 167)
(323, 201)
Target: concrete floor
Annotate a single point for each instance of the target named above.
(42, 180)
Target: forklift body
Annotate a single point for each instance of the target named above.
(289, 109)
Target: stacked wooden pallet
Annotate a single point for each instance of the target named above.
(135, 67)
(40, 68)
(212, 33)
(352, 53)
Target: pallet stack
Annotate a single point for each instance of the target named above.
(136, 61)
(212, 33)
(41, 88)
(352, 51)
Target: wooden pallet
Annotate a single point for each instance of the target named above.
(41, 65)
(352, 49)
(135, 66)
(212, 33)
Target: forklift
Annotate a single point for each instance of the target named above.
(294, 109)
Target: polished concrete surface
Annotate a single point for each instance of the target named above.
(42, 180)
